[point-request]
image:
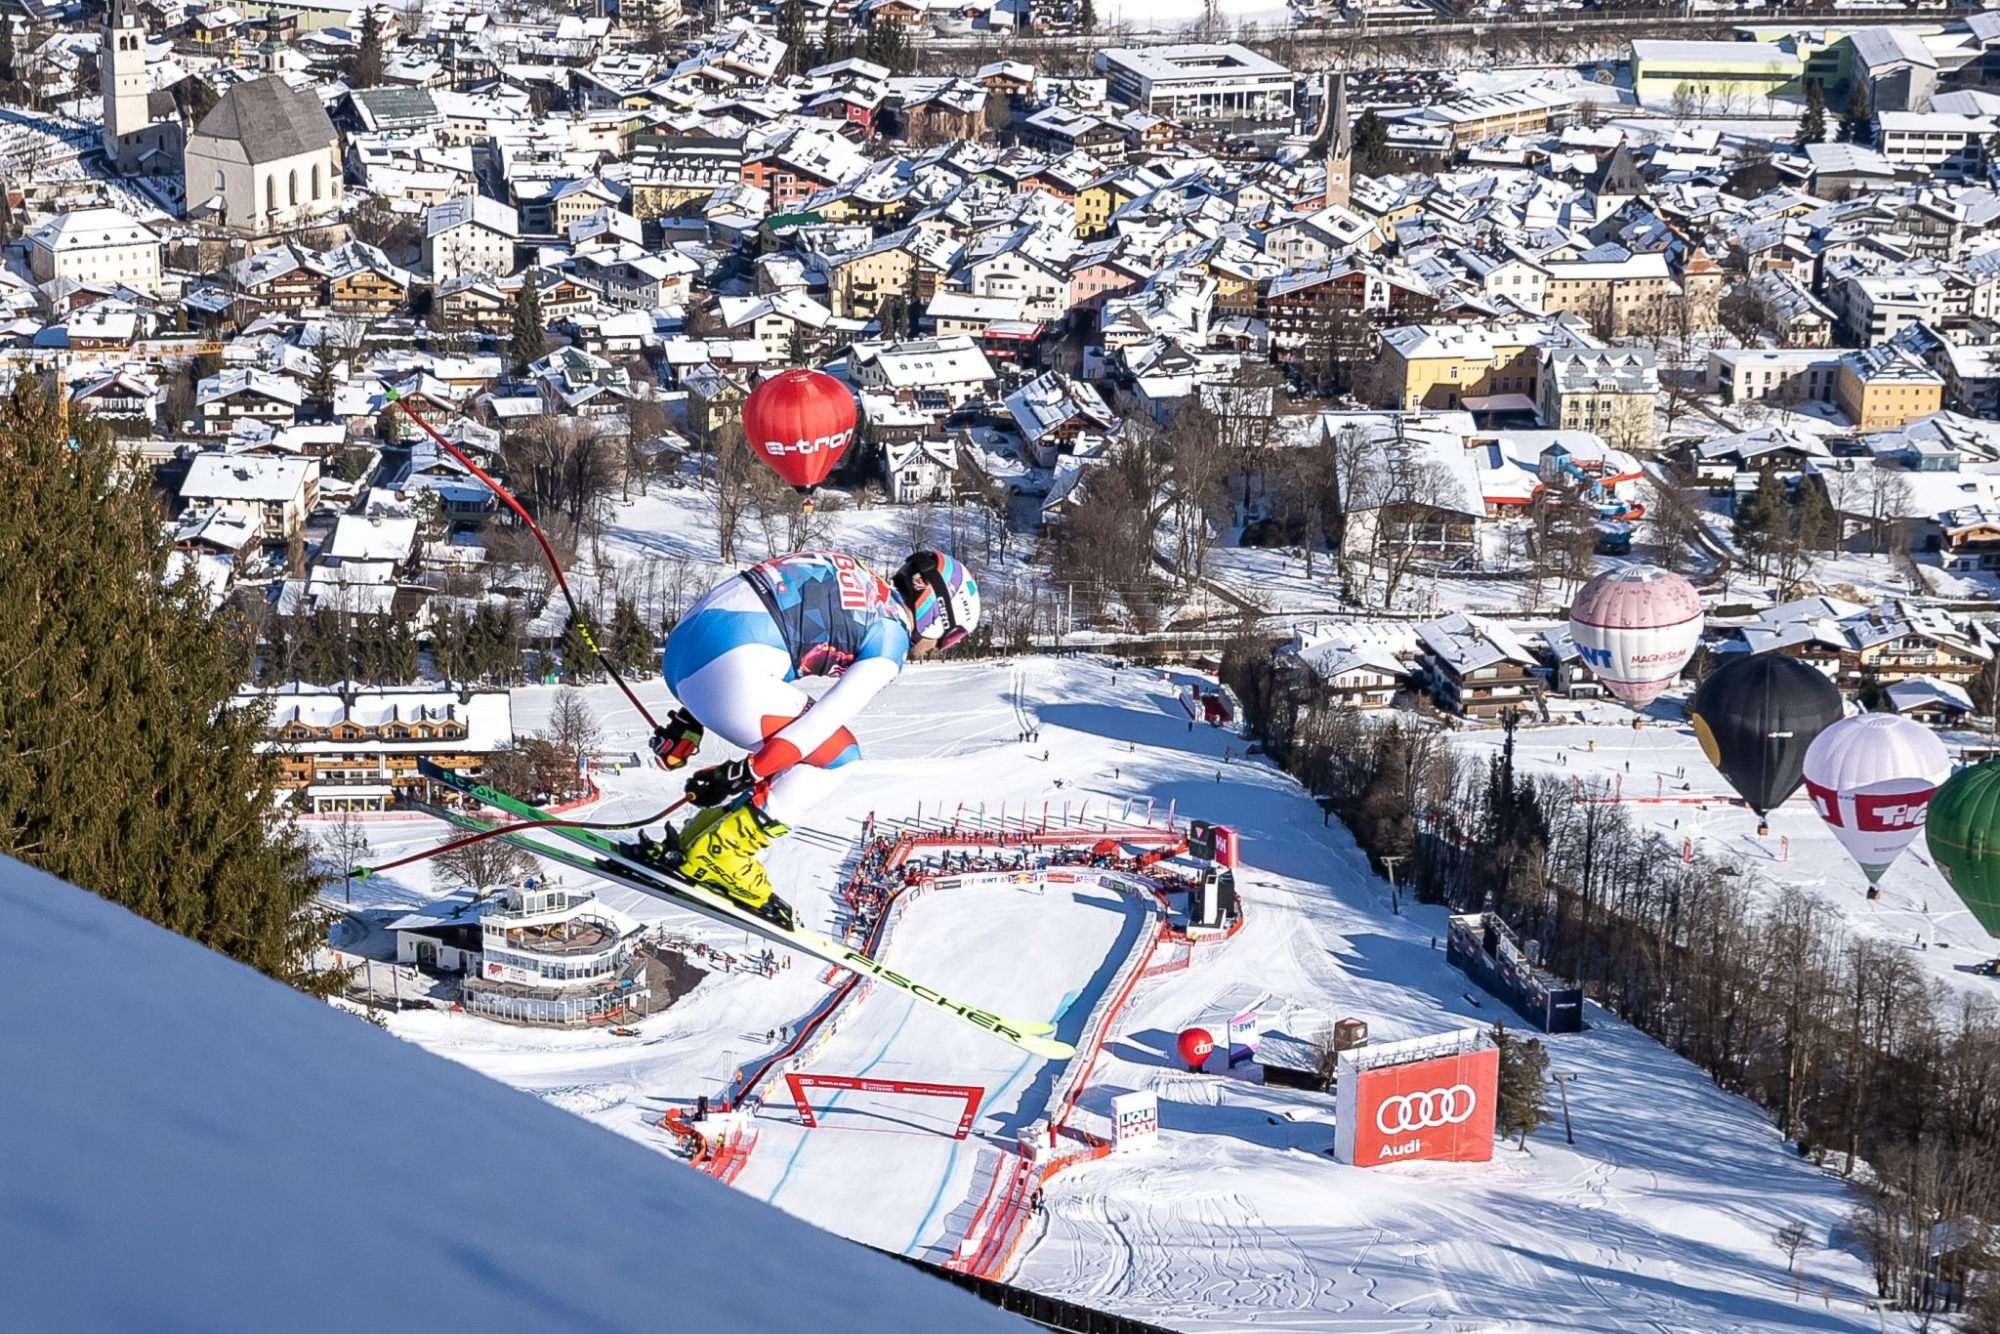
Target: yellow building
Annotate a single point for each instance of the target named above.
(1441, 365)
(1096, 202)
(858, 284)
(1882, 387)
(1616, 296)
(1717, 72)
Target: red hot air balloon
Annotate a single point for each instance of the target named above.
(1195, 1044)
(800, 422)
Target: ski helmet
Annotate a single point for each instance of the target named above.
(942, 596)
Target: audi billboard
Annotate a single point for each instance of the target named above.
(1429, 1098)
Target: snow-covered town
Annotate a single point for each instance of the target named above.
(1311, 666)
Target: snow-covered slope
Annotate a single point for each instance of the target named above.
(1659, 1217)
(193, 1147)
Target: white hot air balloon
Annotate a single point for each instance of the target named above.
(1871, 777)
(1636, 628)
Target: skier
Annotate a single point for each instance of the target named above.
(732, 661)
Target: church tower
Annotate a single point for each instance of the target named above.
(272, 50)
(122, 71)
(1339, 142)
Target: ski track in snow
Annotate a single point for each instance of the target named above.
(1659, 1218)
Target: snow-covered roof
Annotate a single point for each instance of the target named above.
(486, 714)
(229, 383)
(463, 908)
(927, 362)
(1051, 400)
(1919, 692)
(263, 478)
(478, 210)
(224, 529)
(1465, 643)
(358, 537)
(941, 452)
(90, 229)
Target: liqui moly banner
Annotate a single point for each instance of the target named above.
(1135, 1120)
(1437, 1108)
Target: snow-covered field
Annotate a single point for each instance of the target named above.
(1916, 907)
(1660, 1216)
(1055, 948)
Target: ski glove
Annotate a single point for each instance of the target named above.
(676, 740)
(718, 783)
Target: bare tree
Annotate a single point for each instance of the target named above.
(1413, 517)
(480, 866)
(735, 474)
(1888, 497)
(561, 467)
(1198, 502)
(1676, 521)
(343, 845)
(573, 729)
(1791, 1239)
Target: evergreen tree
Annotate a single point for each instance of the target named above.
(1086, 16)
(834, 45)
(7, 48)
(792, 32)
(577, 659)
(1522, 1099)
(1757, 514)
(320, 384)
(366, 69)
(1812, 125)
(1371, 142)
(1856, 123)
(632, 644)
(124, 769)
(526, 339)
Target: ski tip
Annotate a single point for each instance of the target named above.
(1048, 1048)
(362, 872)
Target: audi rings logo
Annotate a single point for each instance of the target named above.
(1425, 1111)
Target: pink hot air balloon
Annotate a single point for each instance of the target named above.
(1871, 777)
(1636, 628)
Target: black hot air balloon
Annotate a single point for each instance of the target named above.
(1755, 716)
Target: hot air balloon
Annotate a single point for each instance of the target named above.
(1963, 832)
(1195, 1044)
(1636, 628)
(800, 422)
(1871, 778)
(1755, 716)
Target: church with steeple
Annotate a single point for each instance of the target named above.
(142, 130)
(1333, 140)
(266, 159)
